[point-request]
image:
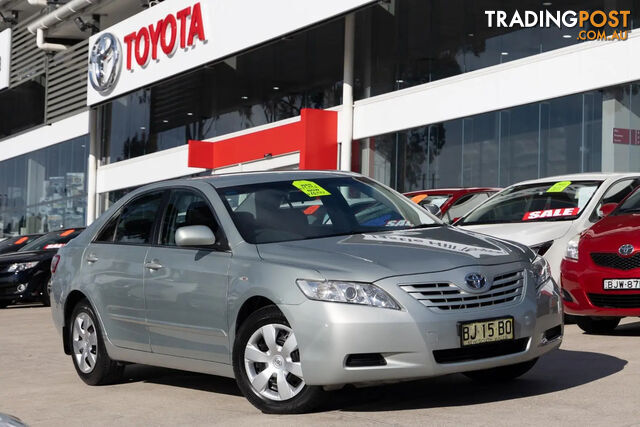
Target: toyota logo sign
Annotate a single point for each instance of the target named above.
(105, 62)
(475, 281)
(625, 250)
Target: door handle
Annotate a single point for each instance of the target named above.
(153, 265)
(91, 258)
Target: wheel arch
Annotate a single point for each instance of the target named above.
(71, 301)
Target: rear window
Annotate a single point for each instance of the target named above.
(52, 241)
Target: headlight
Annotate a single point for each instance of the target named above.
(21, 266)
(347, 292)
(571, 252)
(541, 270)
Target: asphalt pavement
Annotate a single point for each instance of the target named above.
(589, 381)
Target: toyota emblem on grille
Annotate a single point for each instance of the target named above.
(475, 281)
(105, 62)
(625, 250)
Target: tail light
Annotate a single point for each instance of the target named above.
(54, 263)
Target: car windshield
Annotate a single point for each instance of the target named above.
(631, 204)
(548, 201)
(51, 241)
(12, 244)
(428, 199)
(308, 209)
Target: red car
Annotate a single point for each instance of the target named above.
(600, 272)
(450, 204)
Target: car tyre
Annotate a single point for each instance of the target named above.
(502, 373)
(45, 298)
(266, 364)
(89, 355)
(597, 325)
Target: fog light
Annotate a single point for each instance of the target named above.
(21, 288)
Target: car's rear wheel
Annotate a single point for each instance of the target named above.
(597, 325)
(266, 363)
(502, 373)
(88, 352)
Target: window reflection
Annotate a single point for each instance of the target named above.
(44, 190)
(593, 131)
(405, 43)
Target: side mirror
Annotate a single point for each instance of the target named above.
(606, 209)
(195, 235)
(432, 209)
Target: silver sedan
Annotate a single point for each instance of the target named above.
(296, 283)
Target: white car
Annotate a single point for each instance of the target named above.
(546, 214)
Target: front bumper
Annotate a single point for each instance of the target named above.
(580, 281)
(9, 283)
(328, 333)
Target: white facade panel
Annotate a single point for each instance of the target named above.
(574, 69)
(5, 58)
(45, 136)
(228, 27)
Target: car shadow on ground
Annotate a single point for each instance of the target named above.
(627, 330)
(557, 371)
(175, 378)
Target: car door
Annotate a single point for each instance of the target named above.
(114, 265)
(186, 287)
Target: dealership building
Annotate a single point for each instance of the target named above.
(99, 97)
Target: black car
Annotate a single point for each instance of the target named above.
(24, 274)
(13, 244)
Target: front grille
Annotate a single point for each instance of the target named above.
(447, 296)
(613, 260)
(481, 351)
(615, 300)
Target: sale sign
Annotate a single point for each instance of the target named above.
(550, 213)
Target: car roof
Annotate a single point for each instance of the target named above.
(589, 176)
(246, 178)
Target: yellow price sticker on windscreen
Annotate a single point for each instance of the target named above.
(559, 187)
(310, 188)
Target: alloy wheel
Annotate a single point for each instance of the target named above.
(272, 362)
(85, 343)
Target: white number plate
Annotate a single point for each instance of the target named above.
(621, 284)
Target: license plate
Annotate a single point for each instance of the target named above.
(620, 284)
(486, 331)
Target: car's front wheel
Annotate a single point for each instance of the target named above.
(502, 373)
(597, 325)
(266, 363)
(88, 352)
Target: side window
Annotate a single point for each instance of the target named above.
(615, 194)
(187, 208)
(108, 232)
(137, 219)
(464, 205)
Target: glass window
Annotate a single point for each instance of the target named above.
(297, 210)
(631, 204)
(550, 201)
(403, 43)
(186, 208)
(270, 83)
(137, 219)
(108, 233)
(498, 149)
(464, 205)
(44, 190)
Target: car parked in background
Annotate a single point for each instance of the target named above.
(227, 275)
(13, 244)
(601, 269)
(546, 213)
(24, 274)
(450, 204)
